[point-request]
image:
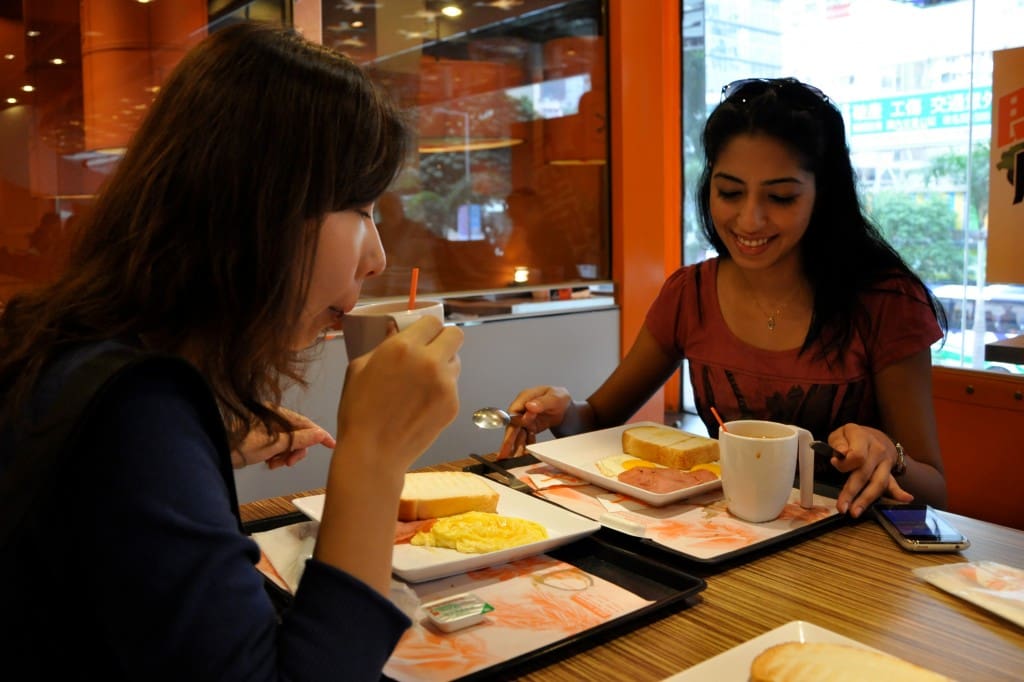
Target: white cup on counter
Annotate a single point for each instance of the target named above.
(759, 463)
(365, 326)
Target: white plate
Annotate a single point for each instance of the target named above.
(734, 664)
(578, 455)
(416, 564)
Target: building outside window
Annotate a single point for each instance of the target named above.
(913, 79)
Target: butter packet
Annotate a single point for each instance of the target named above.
(993, 586)
(454, 613)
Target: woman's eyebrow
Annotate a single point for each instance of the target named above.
(773, 181)
(730, 178)
(783, 181)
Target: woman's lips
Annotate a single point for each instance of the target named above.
(337, 315)
(751, 246)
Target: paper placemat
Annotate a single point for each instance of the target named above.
(543, 605)
(996, 587)
(699, 527)
(537, 601)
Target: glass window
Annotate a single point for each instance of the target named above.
(507, 186)
(917, 104)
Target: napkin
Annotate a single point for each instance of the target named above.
(287, 548)
(990, 585)
(544, 476)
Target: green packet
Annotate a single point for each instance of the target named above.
(454, 613)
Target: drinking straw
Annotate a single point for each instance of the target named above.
(721, 424)
(412, 288)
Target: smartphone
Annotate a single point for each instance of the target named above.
(920, 528)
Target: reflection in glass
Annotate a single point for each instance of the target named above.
(508, 99)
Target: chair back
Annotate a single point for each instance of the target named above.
(980, 417)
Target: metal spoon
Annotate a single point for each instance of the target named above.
(494, 418)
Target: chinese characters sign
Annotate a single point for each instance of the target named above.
(1006, 169)
(945, 109)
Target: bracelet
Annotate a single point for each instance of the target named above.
(900, 467)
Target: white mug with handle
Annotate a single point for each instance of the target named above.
(759, 460)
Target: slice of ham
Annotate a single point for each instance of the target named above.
(662, 480)
(404, 530)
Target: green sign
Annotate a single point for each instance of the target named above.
(923, 111)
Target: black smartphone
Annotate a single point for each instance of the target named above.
(920, 528)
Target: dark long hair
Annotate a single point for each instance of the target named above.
(202, 241)
(842, 252)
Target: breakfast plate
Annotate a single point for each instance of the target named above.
(578, 455)
(416, 564)
(734, 664)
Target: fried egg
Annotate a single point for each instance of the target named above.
(615, 464)
(479, 532)
(713, 467)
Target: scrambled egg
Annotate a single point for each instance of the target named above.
(479, 532)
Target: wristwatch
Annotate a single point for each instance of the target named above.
(900, 467)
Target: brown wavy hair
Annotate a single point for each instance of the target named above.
(202, 241)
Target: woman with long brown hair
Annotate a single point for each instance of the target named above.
(236, 228)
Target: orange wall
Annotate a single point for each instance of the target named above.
(646, 173)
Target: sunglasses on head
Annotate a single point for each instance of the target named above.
(789, 87)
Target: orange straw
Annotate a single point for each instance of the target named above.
(412, 288)
(721, 424)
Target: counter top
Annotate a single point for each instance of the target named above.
(1007, 350)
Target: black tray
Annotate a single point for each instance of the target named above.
(668, 588)
(717, 564)
(702, 566)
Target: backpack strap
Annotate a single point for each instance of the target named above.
(33, 471)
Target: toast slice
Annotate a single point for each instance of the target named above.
(797, 662)
(668, 446)
(432, 494)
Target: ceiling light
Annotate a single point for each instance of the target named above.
(27, 88)
(57, 61)
(32, 34)
(357, 24)
(8, 56)
(448, 145)
(12, 100)
(451, 11)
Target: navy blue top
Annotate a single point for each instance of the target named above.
(136, 568)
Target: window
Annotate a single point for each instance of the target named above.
(508, 183)
(917, 105)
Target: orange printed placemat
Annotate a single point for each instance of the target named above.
(537, 602)
(699, 527)
(988, 584)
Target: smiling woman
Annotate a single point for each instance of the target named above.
(806, 317)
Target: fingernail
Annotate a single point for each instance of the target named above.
(857, 510)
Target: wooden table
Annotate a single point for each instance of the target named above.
(853, 580)
(1007, 350)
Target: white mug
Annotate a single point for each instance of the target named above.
(758, 460)
(365, 326)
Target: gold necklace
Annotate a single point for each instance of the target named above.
(770, 316)
(774, 315)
